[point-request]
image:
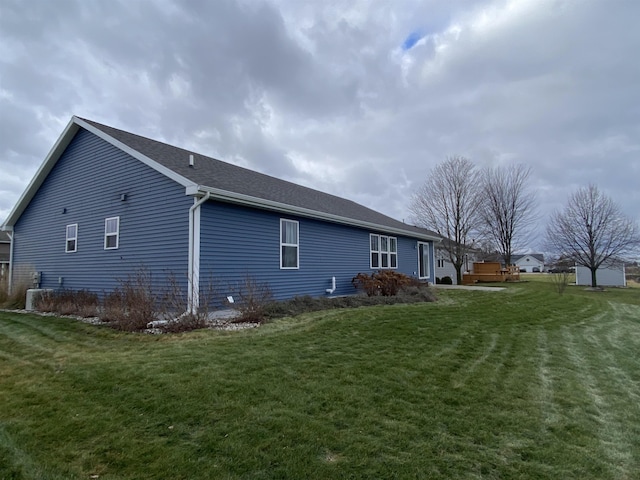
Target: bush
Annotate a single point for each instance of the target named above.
(131, 306)
(82, 303)
(415, 293)
(384, 282)
(252, 298)
(185, 323)
(174, 307)
(446, 281)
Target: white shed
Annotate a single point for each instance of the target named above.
(612, 276)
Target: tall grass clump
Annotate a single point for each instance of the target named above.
(82, 303)
(17, 295)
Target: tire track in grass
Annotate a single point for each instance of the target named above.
(16, 462)
(612, 434)
(548, 408)
(610, 338)
(630, 313)
(467, 372)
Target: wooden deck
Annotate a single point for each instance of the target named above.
(491, 272)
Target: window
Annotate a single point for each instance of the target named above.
(375, 251)
(441, 263)
(289, 251)
(111, 233)
(384, 251)
(72, 238)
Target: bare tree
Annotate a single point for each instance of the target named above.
(448, 203)
(592, 231)
(508, 207)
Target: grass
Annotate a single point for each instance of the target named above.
(522, 383)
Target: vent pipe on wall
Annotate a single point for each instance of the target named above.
(333, 286)
(191, 162)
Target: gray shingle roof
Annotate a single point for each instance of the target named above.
(217, 174)
(537, 256)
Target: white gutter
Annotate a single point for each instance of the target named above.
(193, 278)
(248, 200)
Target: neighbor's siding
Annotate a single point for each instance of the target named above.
(605, 277)
(87, 181)
(449, 270)
(237, 242)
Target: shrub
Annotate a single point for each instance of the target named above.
(384, 282)
(252, 299)
(131, 306)
(415, 293)
(446, 280)
(82, 303)
(561, 281)
(185, 323)
(366, 283)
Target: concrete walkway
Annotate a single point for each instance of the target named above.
(468, 287)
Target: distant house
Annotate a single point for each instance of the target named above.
(5, 254)
(531, 262)
(106, 203)
(444, 266)
(610, 276)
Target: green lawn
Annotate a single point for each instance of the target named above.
(522, 383)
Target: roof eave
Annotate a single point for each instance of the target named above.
(56, 152)
(167, 172)
(255, 202)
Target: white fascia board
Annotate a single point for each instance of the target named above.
(255, 202)
(167, 172)
(56, 151)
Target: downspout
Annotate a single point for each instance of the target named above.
(11, 235)
(193, 289)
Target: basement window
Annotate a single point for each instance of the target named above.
(111, 233)
(71, 244)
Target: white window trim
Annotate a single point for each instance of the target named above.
(112, 234)
(430, 270)
(68, 239)
(389, 254)
(283, 244)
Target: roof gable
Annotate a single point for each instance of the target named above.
(223, 181)
(537, 256)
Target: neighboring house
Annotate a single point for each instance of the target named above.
(531, 262)
(444, 266)
(5, 253)
(107, 203)
(610, 276)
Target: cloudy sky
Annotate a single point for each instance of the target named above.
(356, 98)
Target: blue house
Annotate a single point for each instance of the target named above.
(106, 203)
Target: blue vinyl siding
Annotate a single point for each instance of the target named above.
(239, 241)
(85, 187)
